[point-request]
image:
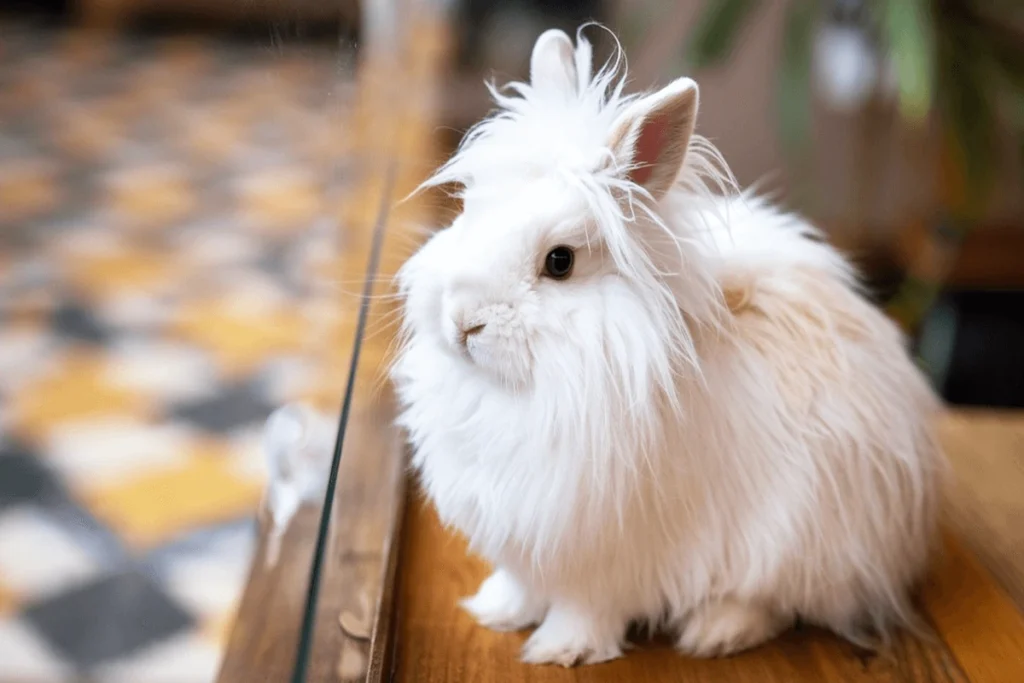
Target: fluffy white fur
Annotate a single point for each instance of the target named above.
(705, 428)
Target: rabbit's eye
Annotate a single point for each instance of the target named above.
(558, 263)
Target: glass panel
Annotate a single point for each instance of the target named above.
(391, 125)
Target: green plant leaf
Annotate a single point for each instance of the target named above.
(716, 30)
(966, 104)
(908, 31)
(793, 94)
(1003, 48)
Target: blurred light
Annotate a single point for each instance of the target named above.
(845, 67)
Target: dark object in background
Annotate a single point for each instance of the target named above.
(500, 33)
(272, 23)
(50, 11)
(975, 342)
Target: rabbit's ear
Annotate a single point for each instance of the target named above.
(651, 137)
(552, 64)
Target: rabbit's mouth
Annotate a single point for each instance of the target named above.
(495, 352)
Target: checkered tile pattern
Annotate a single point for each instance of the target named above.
(163, 206)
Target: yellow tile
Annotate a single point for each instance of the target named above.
(149, 197)
(85, 131)
(122, 270)
(241, 339)
(218, 629)
(7, 602)
(282, 201)
(75, 389)
(153, 507)
(213, 137)
(27, 189)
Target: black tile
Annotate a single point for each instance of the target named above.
(72, 320)
(96, 538)
(107, 619)
(279, 260)
(24, 478)
(232, 407)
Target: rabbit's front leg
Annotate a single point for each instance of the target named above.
(504, 603)
(573, 635)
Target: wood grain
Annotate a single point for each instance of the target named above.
(978, 631)
(265, 634)
(986, 499)
(980, 624)
(264, 641)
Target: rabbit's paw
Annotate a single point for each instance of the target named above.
(727, 627)
(503, 604)
(568, 638)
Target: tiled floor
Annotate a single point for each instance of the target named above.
(162, 213)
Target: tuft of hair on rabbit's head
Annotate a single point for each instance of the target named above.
(644, 394)
(559, 235)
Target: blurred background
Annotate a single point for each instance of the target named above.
(172, 250)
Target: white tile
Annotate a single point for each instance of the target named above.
(38, 557)
(288, 378)
(251, 293)
(209, 583)
(24, 356)
(100, 452)
(25, 656)
(248, 459)
(31, 271)
(135, 310)
(217, 247)
(161, 370)
(96, 239)
(187, 658)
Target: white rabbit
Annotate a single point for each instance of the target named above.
(642, 400)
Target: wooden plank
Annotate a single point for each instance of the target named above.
(976, 618)
(365, 512)
(382, 643)
(979, 633)
(980, 618)
(263, 640)
(438, 642)
(986, 500)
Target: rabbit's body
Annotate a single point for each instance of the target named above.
(721, 440)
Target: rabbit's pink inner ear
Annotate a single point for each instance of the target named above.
(663, 125)
(649, 146)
